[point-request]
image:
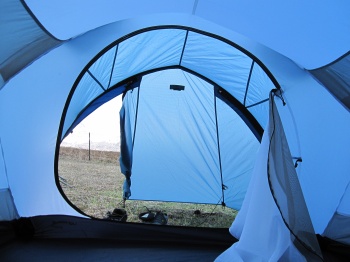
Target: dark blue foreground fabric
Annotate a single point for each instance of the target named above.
(66, 238)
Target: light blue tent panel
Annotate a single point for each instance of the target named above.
(175, 155)
(226, 66)
(146, 51)
(189, 145)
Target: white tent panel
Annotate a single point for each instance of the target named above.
(307, 99)
(311, 28)
(314, 28)
(32, 136)
(76, 17)
(30, 157)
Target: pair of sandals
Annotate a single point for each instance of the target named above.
(157, 217)
(149, 217)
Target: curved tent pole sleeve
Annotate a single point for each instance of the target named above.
(248, 82)
(223, 187)
(242, 111)
(114, 58)
(183, 47)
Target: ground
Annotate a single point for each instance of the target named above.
(92, 181)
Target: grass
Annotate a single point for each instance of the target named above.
(94, 185)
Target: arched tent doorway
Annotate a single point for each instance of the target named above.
(204, 101)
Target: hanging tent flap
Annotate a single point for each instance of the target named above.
(274, 197)
(259, 227)
(285, 187)
(127, 115)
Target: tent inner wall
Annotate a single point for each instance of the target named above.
(188, 145)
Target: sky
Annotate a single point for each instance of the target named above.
(103, 126)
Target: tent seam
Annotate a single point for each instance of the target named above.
(96, 80)
(115, 57)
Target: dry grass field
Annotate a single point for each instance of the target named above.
(95, 187)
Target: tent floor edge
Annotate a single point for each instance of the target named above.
(85, 238)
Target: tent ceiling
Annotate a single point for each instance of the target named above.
(31, 28)
(299, 30)
(25, 40)
(219, 62)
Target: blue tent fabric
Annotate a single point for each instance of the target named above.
(126, 146)
(62, 60)
(250, 88)
(186, 140)
(240, 76)
(125, 154)
(22, 45)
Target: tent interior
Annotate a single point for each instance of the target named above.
(220, 106)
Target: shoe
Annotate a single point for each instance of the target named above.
(117, 215)
(160, 218)
(147, 216)
(157, 218)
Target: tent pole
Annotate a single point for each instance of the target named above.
(127, 182)
(223, 187)
(136, 114)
